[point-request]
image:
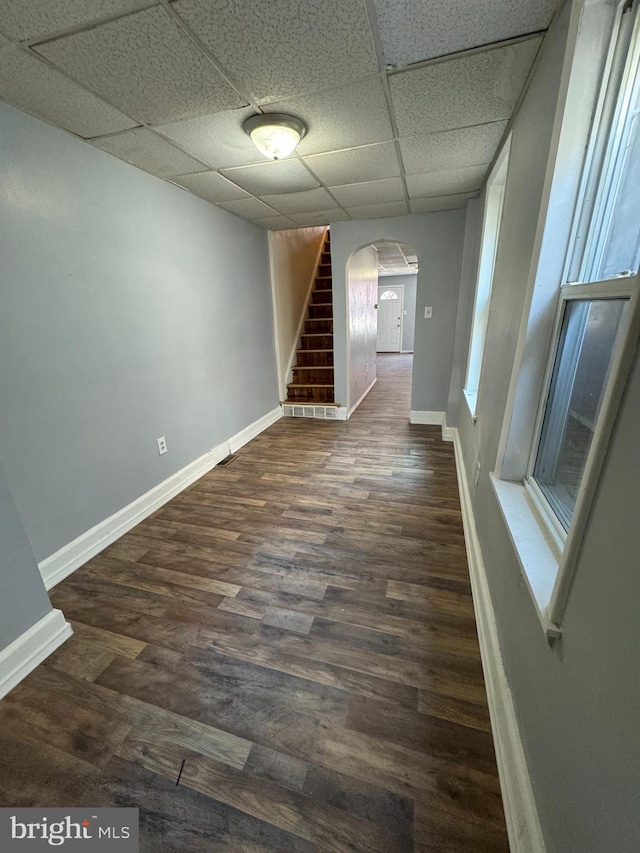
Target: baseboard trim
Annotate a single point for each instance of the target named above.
(428, 418)
(448, 433)
(70, 557)
(361, 398)
(523, 824)
(248, 433)
(23, 655)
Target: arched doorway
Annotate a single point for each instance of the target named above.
(397, 285)
(381, 284)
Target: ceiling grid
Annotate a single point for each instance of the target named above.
(406, 101)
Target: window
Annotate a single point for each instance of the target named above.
(489, 246)
(594, 311)
(588, 335)
(389, 294)
(581, 325)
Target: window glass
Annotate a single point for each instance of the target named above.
(613, 240)
(489, 247)
(587, 341)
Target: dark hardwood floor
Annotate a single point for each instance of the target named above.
(293, 636)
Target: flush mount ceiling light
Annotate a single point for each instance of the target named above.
(275, 135)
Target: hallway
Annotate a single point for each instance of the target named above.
(293, 638)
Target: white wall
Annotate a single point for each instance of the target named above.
(293, 254)
(438, 241)
(362, 295)
(577, 702)
(129, 310)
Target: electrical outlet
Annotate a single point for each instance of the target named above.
(478, 466)
(428, 313)
(162, 445)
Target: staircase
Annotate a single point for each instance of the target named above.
(313, 369)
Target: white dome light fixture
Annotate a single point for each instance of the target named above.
(274, 134)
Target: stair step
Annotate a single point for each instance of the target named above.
(312, 367)
(316, 356)
(320, 312)
(312, 376)
(310, 385)
(322, 325)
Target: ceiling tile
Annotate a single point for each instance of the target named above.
(370, 192)
(146, 66)
(320, 217)
(284, 48)
(447, 182)
(353, 115)
(414, 30)
(475, 89)
(272, 176)
(218, 140)
(368, 163)
(30, 84)
(248, 208)
(29, 19)
(310, 201)
(274, 223)
(378, 211)
(211, 186)
(446, 202)
(143, 148)
(451, 149)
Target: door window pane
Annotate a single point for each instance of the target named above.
(583, 360)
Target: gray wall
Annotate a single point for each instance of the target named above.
(23, 600)
(578, 703)
(129, 310)
(362, 295)
(437, 239)
(409, 282)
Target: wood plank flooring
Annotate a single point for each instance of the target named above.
(293, 636)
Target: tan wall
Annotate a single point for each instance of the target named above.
(293, 258)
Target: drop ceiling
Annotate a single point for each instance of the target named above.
(395, 258)
(406, 101)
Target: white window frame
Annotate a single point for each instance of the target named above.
(626, 289)
(489, 242)
(548, 555)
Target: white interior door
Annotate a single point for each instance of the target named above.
(390, 314)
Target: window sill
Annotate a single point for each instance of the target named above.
(537, 557)
(472, 399)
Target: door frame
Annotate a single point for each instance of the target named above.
(382, 288)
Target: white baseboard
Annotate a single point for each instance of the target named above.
(70, 557)
(360, 399)
(31, 648)
(523, 824)
(429, 418)
(448, 433)
(245, 435)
